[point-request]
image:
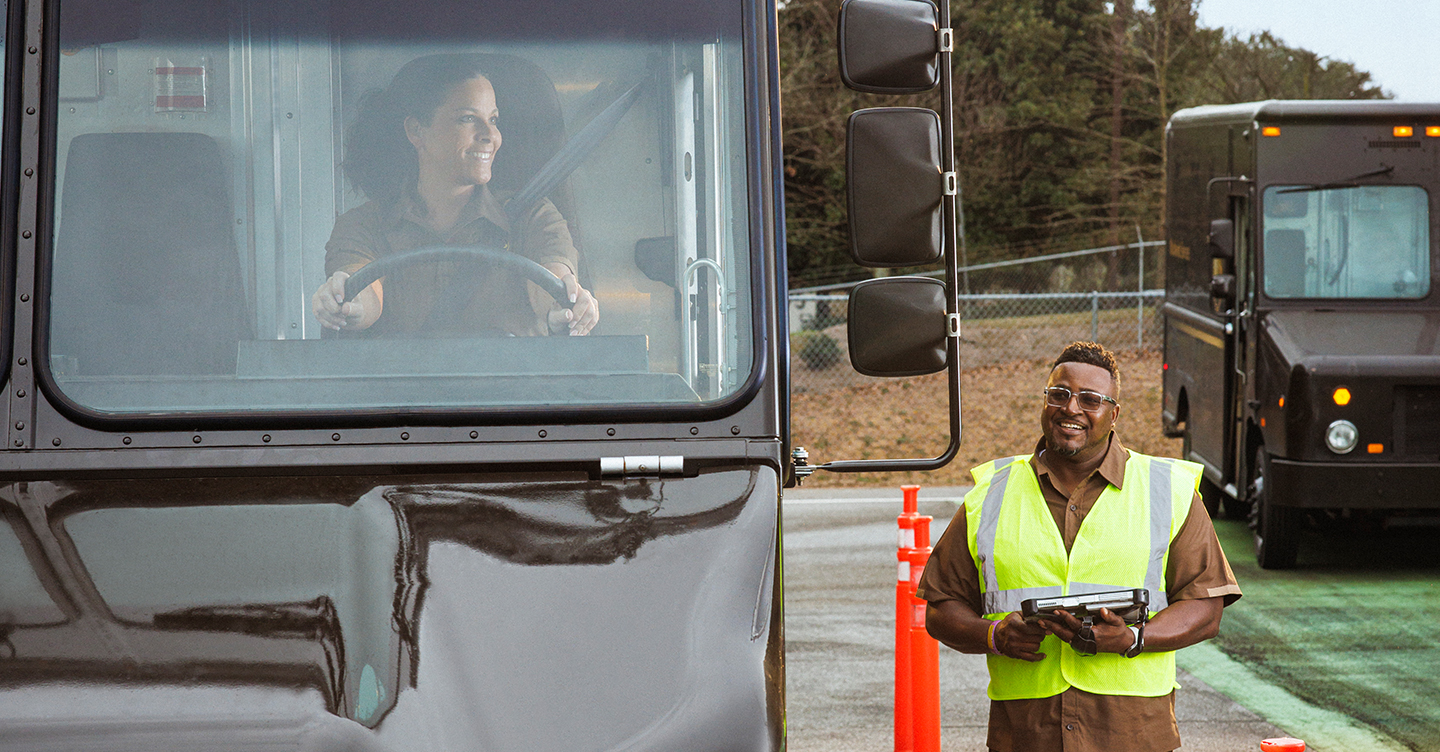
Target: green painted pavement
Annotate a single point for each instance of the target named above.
(1344, 650)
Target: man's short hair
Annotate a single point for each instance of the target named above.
(1091, 353)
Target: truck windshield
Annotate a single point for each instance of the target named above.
(1346, 242)
(217, 162)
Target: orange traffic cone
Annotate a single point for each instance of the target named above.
(904, 595)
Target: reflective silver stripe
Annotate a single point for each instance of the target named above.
(1005, 601)
(1086, 588)
(1162, 511)
(989, 520)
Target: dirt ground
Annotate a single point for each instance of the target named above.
(1000, 413)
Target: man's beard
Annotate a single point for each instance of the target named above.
(1063, 452)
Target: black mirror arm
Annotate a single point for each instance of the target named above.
(952, 349)
(951, 231)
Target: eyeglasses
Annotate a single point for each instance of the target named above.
(1059, 396)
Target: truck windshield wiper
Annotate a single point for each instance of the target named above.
(1346, 183)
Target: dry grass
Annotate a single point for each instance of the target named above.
(1000, 410)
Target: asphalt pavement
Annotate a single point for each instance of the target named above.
(839, 569)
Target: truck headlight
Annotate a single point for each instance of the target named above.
(1342, 436)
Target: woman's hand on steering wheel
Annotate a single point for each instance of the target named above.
(328, 304)
(580, 318)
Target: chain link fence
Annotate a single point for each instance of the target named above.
(1025, 309)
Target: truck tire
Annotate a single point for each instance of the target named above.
(1277, 528)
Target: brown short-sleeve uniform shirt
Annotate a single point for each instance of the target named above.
(1076, 720)
(426, 300)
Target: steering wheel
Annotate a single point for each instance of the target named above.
(505, 260)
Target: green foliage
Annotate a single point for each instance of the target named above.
(1043, 164)
(1263, 67)
(817, 349)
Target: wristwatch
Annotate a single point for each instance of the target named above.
(1139, 646)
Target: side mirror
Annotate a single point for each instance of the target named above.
(893, 186)
(897, 326)
(1222, 238)
(889, 46)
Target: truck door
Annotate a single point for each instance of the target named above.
(1239, 386)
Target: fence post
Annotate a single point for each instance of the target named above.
(1140, 292)
(1094, 315)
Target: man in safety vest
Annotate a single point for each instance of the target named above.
(1082, 514)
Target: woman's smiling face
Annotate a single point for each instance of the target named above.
(459, 143)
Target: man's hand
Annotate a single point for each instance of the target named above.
(580, 318)
(1112, 634)
(1016, 639)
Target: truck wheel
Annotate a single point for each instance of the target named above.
(1277, 529)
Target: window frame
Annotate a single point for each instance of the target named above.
(764, 250)
(1432, 221)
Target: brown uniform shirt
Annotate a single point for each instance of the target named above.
(1076, 720)
(487, 301)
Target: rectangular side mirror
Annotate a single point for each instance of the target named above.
(893, 186)
(1222, 238)
(889, 46)
(897, 326)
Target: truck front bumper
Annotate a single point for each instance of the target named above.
(1355, 485)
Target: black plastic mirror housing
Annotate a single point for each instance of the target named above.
(1222, 238)
(897, 326)
(889, 46)
(893, 186)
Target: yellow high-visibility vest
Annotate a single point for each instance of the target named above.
(1123, 543)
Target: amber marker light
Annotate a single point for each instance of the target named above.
(1270, 130)
(1403, 131)
(1433, 131)
(1342, 396)
(1282, 401)
(1375, 448)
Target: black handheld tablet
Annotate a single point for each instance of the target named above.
(1130, 605)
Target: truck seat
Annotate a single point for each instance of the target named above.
(1285, 265)
(146, 279)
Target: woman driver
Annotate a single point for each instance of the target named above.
(422, 151)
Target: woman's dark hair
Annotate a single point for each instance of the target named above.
(379, 159)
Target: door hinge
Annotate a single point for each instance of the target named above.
(641, 464)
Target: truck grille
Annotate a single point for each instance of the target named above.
(1417, 420)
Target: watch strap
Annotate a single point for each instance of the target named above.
(1139, 645)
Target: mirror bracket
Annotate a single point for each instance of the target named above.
(945, 39)
(1222, 287)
